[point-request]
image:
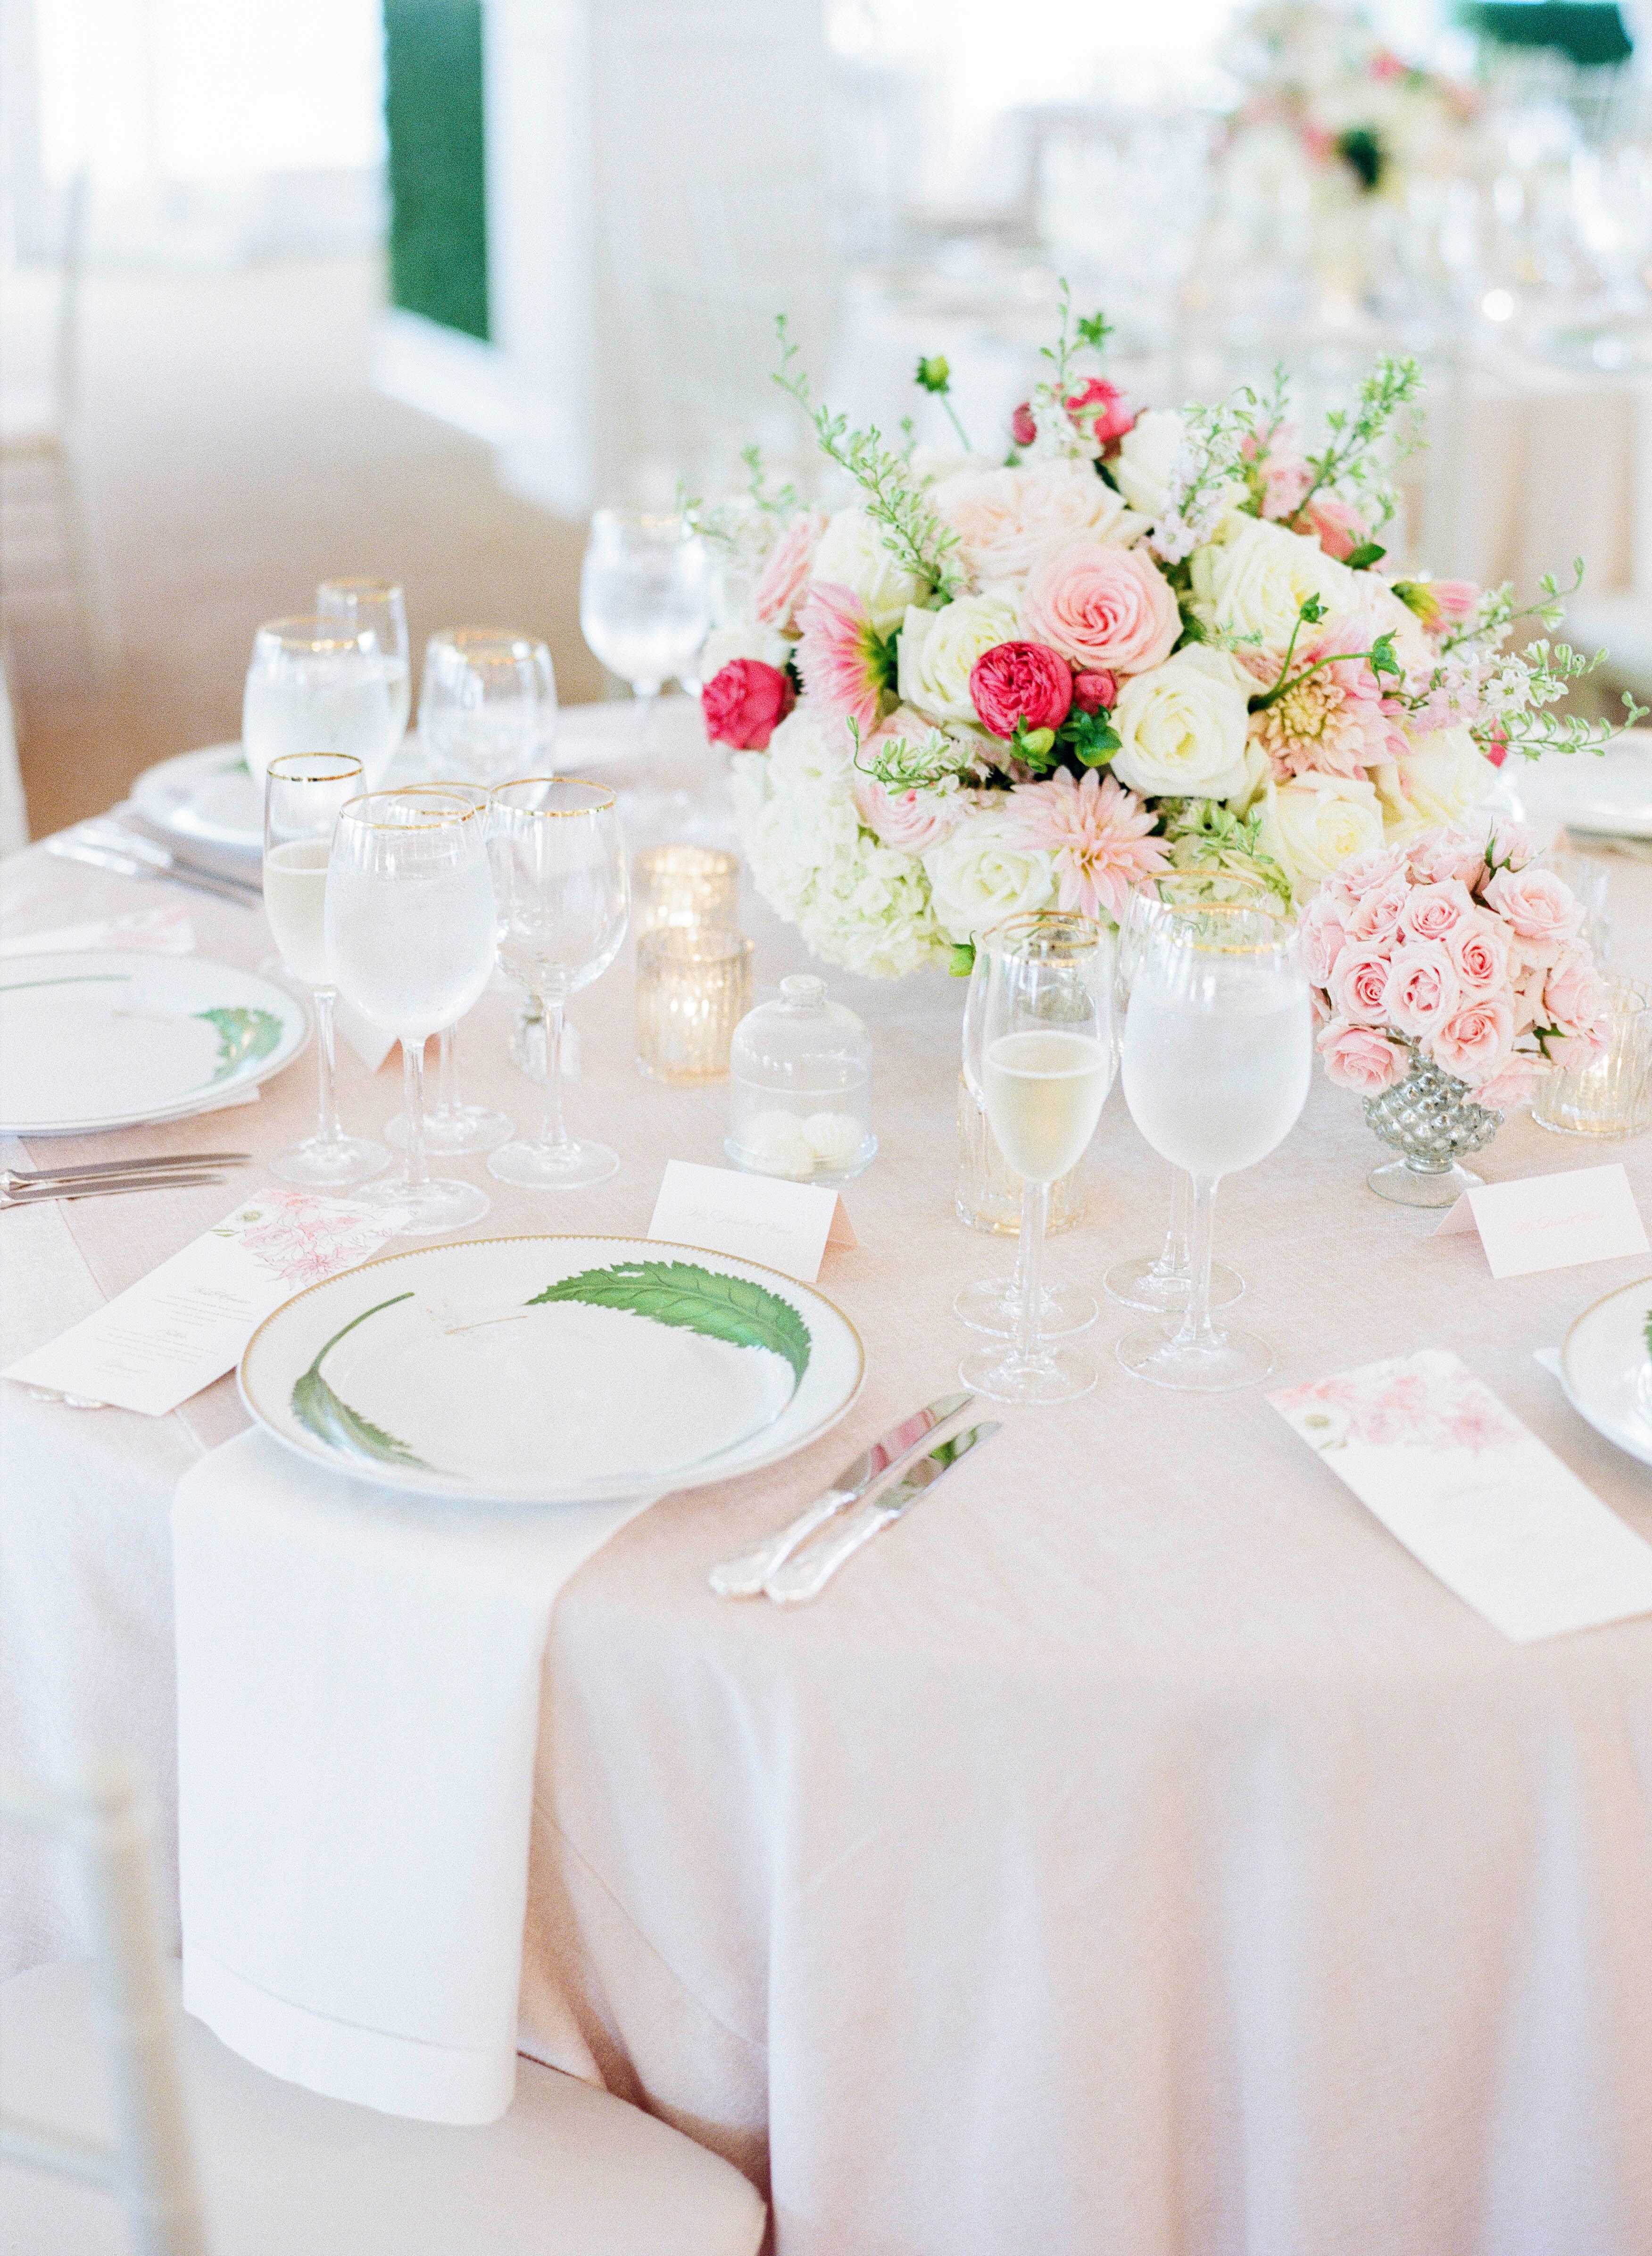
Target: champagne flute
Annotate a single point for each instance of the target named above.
(316, 685)
(1046, 1065)
(1218, 1047)
(646, 593)
(303, 793)
(992, 1304)
(487, 704)
(1159, 1282)
(563, 887)
(410, 936)
(455, 1125)
(381, 605)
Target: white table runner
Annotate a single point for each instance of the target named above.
(358, 1710)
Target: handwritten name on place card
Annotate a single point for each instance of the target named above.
(1432, 1453)
(1551, 1221)
(755, 1218)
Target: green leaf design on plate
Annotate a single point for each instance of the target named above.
(695, 1299)
(243, 1034)
(319, 1410)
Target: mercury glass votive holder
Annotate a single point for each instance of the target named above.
(693, 987)
(684, 886)
(1613, 1096)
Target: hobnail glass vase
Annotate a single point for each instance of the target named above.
(1432, 1118)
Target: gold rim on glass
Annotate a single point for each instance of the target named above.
(317, 635)
(313, 767)
(457, 812)
(1067, 930)
(378, 591)
(604, 801)
(1171, 926)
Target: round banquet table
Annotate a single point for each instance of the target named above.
(1136, 1849)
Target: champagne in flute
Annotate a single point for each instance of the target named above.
(295, 902)
(1044, 1094)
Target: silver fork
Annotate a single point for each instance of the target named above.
(103, 1187)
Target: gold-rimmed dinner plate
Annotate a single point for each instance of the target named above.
(552, 1369)
(1606, 1367)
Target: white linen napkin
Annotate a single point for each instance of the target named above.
(358, 1713)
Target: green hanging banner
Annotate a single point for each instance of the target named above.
(434, 115)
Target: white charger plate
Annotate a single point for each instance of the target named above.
(111, 1039)
(1606, 794)
(1606, 1369)
(552, 1369)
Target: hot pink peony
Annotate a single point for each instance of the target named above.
(843, 659)
(1095, 693)
(1358, 986)
(1023, 429)
(1539, 909)
(1101, 410)
(1357, 1058)
(1421, 990)
(779, 591)
(1098, 833)
(1106, 610)
(744, 702)
(1475, 1043)
(1020, 681)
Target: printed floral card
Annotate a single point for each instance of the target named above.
(1480, 1501)
(185, 1324)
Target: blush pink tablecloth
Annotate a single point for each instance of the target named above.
(1136, 1849)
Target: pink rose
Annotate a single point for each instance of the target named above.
(1377, 914)
(1020, 681)
(1539, 909)
(1579, 1050)
(1286, 474)
(1574, 994)
(1100, 409)
(910, 821)
(1357, 985)
(1323, 934)
(1474, 1044)
(1511, 842)
(1435, 857)
(1107, 609)
(744, 702)
(1422, 988)
(1374, 867)
(1338, 529)
(1512, 1083)
(779, 593)
(1480, 954)
(1432, 910)
(1095, 693)
(1357, 1058)
(1023, 429)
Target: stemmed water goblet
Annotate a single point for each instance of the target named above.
(410, 937)
(1046, 1065)
(564, 901)
(454, 1126)
(380, 606)
(487, 704)
(303, 793)
(993, 1304)
(647, 594)
(317, 685)
(1218, 1047)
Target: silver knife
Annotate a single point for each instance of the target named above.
(127, 865)
(117, 837)
(802, 1579)
(744, 1577)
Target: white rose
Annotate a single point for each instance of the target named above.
(806, 750)
(938, 649)
(1312, 824)
(1182, 726)
(1145, 453)
(1254, 578)
(1373, 609)
(982, 874)
(742, 639)
(1258, 768)
(1006, 521)
(852, 554)
(1444, 774)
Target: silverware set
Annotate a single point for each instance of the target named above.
(106, 843)
(111, 1178)
(792, 1569)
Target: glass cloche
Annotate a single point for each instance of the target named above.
(800, 1102)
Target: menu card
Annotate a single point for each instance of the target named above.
(1478, 1500)
(184, 1325)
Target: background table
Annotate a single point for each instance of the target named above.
(1136, 1849)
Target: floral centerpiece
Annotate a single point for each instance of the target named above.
(1136, 641)
(1453, 950)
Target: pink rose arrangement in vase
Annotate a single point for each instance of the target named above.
(1449, 974)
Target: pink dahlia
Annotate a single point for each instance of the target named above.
(843, 659)
(1098, 833)
(1330, 721)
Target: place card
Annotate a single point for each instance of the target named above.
(184, 1325)
(1430, 1450)
(785, 1226)
(1551, 1221)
